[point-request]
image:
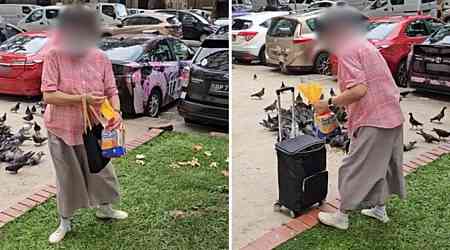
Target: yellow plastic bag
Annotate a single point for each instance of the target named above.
(107, 110)
(311, 91)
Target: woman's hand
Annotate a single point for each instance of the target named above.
(114, 123)
(321, 107)
(94, 100)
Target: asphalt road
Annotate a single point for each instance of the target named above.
(254, 182)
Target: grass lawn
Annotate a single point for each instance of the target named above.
(420, 222)
(172, 204)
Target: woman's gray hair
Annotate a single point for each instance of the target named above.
(341, 16)
(79, 16)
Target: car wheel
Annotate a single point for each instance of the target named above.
(154, 103)
(203, 37)
(262, 55)
(322, 64)
(401, 78)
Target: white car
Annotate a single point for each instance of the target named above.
(249, 35)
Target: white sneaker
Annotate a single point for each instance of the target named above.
(106, 212)
(337, 220)
(59, 234)
(377, 213)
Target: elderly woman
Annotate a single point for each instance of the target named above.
(75, 70)
(373, 169)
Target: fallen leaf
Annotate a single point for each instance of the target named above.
(177, 214)
(197, 147)
(140, 156)
(225, 172)
(214, 164)
(183, 163)
(195, 162)
(207, 153)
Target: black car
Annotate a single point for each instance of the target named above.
(195, 27)
(429, 64)
(205, 98)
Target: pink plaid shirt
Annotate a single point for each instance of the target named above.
(359, 62)
(90, 74)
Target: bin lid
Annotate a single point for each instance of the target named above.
(297, 144)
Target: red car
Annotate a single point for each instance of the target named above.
(394, 36)
(21, 63)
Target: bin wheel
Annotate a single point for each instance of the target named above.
(277, 207)
(292, 214)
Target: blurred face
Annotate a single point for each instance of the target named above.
(77, 41)
(339, 35)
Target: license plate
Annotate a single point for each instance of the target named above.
(217, 87)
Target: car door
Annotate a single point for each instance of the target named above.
(184, 55)
(190, 26)
(34, 21)
(161, 70)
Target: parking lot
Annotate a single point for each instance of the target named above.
(254, 160)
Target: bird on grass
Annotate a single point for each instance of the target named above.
(441, 133)
(271, 107)
(16, 108)
(410, 146)
(414, 123)
(332, 93)
(39, 140)
(427, 137)
(439, 116)
(258, 94)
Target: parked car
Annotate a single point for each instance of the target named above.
(292, 45)
(205, 97)
(8, 30)
(13, 13)
(47, 17)
(403, 7)
(195, 26)
(163, 24)
(249, 35)
(429, 66)
(394, 36)
(149, 70)
(317, 5)
(132, 11)
(21, 59)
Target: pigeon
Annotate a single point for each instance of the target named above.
(414, 123)
(332, 93)
(428, 138)
(33, 109)
(282, 85)
(299, 98)
(28, 111)
(19, 161)
(271, 107)
(441, 133)
(38, 140)
(28, 117)
(35, 159)
(439, 116)
(410, 146)
(255, 77)
(3, 118)
(258, 94)
(37, 128)
(16, 108)
(25, 129)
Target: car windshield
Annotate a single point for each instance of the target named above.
(380, 30)
(199, 17)
(122, 51)
(212, 58)
(241, 24)
(442, 36)
(121, 10)
(23, 44)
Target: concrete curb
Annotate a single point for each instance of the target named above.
(48, 191)
(294, 227)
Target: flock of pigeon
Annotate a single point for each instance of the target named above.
(304, 116)
(10, 143)
(305, 119)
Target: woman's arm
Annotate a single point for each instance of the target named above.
(115, 102)
(350, 96)
(60, 98)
